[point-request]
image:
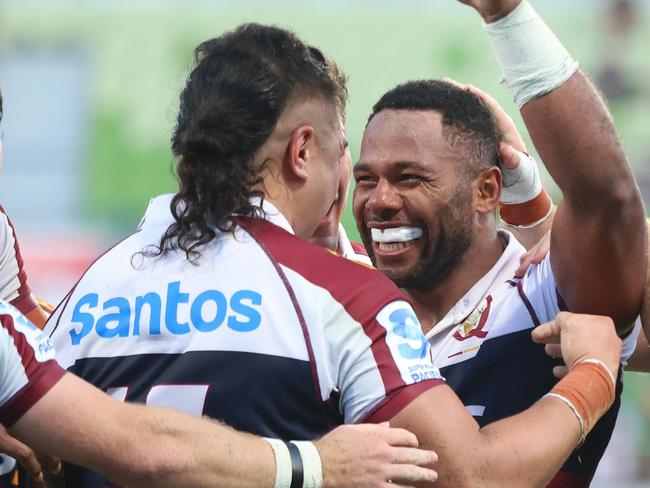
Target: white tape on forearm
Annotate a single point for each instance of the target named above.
(312, 465)
(282, 462)
(533, 61)
(521, 184)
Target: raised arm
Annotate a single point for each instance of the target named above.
(598, 245)
(640, 360)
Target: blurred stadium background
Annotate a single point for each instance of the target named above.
(91, 90)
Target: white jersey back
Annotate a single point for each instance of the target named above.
(262, 333)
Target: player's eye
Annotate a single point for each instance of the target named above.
(409, 178)
(363, 179)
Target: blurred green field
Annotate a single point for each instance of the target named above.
(140, 56)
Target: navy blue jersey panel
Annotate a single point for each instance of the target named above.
(508, 375)
(266, 395)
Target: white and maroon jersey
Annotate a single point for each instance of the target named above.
(27, 367)
(263, 333)
(13, 279)
(483, 347)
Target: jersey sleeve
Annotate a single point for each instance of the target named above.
(375, 358)
(13, 279)
(27, 366)
(384, 364)
(538, 290)
(630, 342)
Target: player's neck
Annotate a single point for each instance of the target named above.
(432, 304)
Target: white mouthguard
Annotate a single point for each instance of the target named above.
(396, 234)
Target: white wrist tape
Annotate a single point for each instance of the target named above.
(282, 463)
(532, 59)
(523, 183)
(311, 462)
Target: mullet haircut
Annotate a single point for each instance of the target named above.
(233, 98)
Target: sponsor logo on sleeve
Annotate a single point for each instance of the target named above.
(35, 337)
(407, 343)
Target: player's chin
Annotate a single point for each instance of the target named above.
(398, 263)
(398, 254)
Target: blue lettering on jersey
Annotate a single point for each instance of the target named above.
(120, 318)
(407, 326)
(115, 319)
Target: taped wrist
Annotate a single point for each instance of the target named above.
(297, 464)
(523, 183)
(532, 59)
(528, 214)
(589, 390)
(524, 201)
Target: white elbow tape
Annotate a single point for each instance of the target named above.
(313, 468)
(523, 183)
(533, 61)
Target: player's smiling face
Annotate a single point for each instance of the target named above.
(414, 214)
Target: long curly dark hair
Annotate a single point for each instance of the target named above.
(229, 107)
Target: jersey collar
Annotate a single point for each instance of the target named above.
(272, 214)
(158, 213)
(502, 271)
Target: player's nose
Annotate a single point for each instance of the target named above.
(384, 198)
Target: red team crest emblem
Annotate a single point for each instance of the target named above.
(473, 325)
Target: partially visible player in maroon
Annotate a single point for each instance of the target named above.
(13, 278)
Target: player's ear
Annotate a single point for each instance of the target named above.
(299, 151)
(487, 190)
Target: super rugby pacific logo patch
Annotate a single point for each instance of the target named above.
(407, 343)
(37, 340)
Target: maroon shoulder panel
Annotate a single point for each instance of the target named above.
(41, 377)
(361, 290)
(24, 301)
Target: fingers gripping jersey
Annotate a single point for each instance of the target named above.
(268, 333)
(13, 279)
